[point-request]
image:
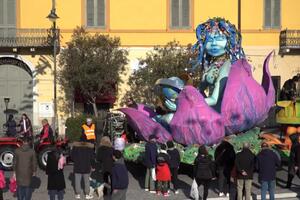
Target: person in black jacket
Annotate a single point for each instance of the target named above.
(120, 178)
(292, 166)
(245, 165)
(204, 170)
(174, 164)
(266, 164)
(224, 158)
(56, 179)
(150, 162)
(11, 126)
(104, 158)
(83, 157)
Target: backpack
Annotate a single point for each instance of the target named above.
(161, 158)
(204, 169)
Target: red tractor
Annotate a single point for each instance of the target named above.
(9, 144)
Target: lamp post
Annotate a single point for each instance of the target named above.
(6, 101)
(53, 17)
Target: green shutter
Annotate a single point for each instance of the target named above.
(185, 18)
(1, 12)
(11, 12)
(101, 13)
(276, 14)
(175, 13)
(90, 13)
(268, 14)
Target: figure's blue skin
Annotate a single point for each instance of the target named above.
(216, 43)
(219, 86)
(170, 94)
(170, 98)
(216, 46)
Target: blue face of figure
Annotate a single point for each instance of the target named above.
(170, 96)
(216, 44)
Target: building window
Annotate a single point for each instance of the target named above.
(7, 18)
(180, 14)
(95, 13)
(272, 14)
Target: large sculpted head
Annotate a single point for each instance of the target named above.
(217, 37)
(167, 90)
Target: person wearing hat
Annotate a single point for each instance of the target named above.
(119, 176)
(88, 130)
(150, 163)
(266, 163)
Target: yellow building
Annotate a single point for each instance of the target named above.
(141, 24)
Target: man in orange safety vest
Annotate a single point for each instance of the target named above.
(88, 130)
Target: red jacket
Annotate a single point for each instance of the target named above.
(163, 172)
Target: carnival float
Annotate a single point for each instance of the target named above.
(228, 102)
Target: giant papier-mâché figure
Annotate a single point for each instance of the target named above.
(234, 103)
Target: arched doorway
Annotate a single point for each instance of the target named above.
(16, 83)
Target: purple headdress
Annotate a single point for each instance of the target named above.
(234, 40)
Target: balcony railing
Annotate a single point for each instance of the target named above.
(27, 41)
(289, 42)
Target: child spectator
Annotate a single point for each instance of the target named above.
(163, 174)
(120, 178)
(56, 179)
(174, 164)
(96, 183)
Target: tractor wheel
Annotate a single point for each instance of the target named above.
(7, 155)
(43, 155)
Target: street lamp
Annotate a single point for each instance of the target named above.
(6, 101)
(239, 15)
(53, 17)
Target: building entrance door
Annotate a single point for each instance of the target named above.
(17, 85)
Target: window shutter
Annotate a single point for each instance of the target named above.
(185, 13)
(174, 13)
(1, 12)
(268, 14)
(11, 12)
(90, 12)
(101, 13)
(276, 14)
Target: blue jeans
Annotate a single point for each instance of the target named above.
(24, 192)
(58, 193)
(267, 186)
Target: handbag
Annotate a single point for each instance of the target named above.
(2, 180)
(13, 184)
(194, 193)
(153, 174)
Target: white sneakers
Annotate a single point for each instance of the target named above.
(221, 194)
(88, 196)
